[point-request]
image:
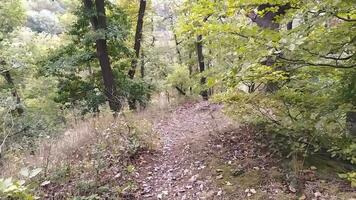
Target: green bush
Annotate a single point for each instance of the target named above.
(14, 190)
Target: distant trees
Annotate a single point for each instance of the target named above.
(24, 98)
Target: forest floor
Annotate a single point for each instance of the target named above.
(205, 155)
(193, 151)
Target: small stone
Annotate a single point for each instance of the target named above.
(253, 191)
(202, 167)
(117, 175)
(303, 197)
(220, 177)
(292, 189)
(45, 183)
(159, 196)
(228, 183)
(193, 178)
(181, 190)
(189, 187)
(317, 194)
(313, 168)
(219, 170)
(148, 195)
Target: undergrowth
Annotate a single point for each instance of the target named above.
(93, 160)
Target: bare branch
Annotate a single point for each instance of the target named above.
(306, 63)
(345, 19)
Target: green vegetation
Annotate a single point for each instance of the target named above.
(285, 67)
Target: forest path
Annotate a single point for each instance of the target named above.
(178, 171)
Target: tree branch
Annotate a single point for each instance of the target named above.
(305, 63)
(329, 57)
(345, 19)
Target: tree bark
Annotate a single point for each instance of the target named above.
(180, 91)
(179, 55)
(268, 21)
(137, 47)
(98, 23)
(138, 37)
(351, 123)
(142, 64)
(190, 68)
(204, 92)
(10, 81)
(153, 32)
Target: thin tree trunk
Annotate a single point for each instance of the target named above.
(290, 25)
(10, 81)
(99, 23)
(204, 92)
(142, 64)
(180, 91)
(190, 68)
(137, 47)
(179, 54)
(153, 32)
(138, 38)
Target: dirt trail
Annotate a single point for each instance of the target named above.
(205, 155)
(175, 172)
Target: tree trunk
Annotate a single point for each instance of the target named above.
(190, 68)
(179, 54)
(180, 91)
(204, 92)
(138, 38)
(153, 32)
(137, 47)
(268, 21)
(142, 64)
(10, 81)
(98, 22)
(351, 123)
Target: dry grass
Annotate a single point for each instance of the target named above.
(52, 152)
